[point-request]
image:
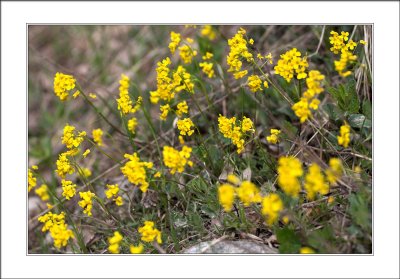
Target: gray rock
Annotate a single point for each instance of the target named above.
(230, 247)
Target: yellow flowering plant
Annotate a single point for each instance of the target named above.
(197, 134)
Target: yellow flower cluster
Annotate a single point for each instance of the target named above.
(182, 108)
(315, 182)
(309, 99)
(208, 31)
(69, 189)
(97, 134)
(125, 104)
(248, 194)
(42, 192)
(177, 160)
(339, 45)
(274, 137)
(207, 68)
(136, 249)
(272, 205)
(31, 178)
(226, 196)
(236, 133)
(149, 233)
(185, 126)
(175, 40)
(338, 41)
(267, 57)
(168, 85)
(86, 202)
(112, 192)
(246, 191)
(70, 139)
(55, 223)
(187, 53)
(335, 170)
(135, 171)
(62, 85)
(291, 63)
(113, 242)
(132, 124)
(238, 50)
(344, 138)
(289, 171)
(254, 83)
(63, 164)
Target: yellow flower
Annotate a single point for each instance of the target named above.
(165, 90)
(330, 200)
(335, 170)
(185, 126)
(62, 85)
(132, 123)
(229, 129)
(136, 249)
(254, 83)
(248, 193)
(338, 41)
(112, 190)
(291, 64)
(315, 182)
(70, 139)
(124, 102)
(149, 233)
(272, 205)
(251, 41)
(114, 243)
(207, 68)
(69, 189)
(97, 134)
(238, 51)
(306, 250)
(269, 58)
(76, 94)
(92, 95)
(314, 104)
(182, 108)
(289, 171)
(42, 192)
(64, 166)
(31, 180)
(187, 53)
(285, 219)
(301, 109)
(266, 84)
(274, 137)
(175, 40)
(363, 42)
(176, 160)
(86, 172)
(164, 111)
(87, 151)
(135, 171)
(86, 202)
(208, 56)
(118, 201)
(157, 174)
(181, 140)
(207, 31)
(226, 196)
(314, 84)
(55, 223)
(344, 138)
(233, 179)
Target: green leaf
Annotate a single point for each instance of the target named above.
(359, 211)
(367, 109)
(289, 242)
(333, 111)
(359, 121)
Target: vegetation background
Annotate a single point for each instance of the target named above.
(97, 55)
